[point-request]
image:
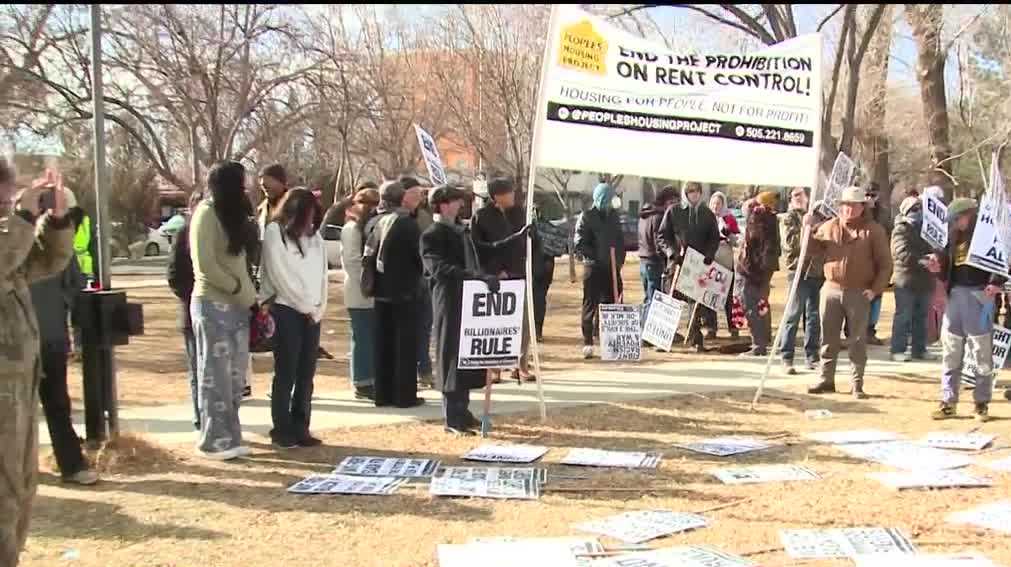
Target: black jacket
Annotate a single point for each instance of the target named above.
(650, 219)
(400, 254)
(596, 234)
(908, 248)
(53, 298)
(180, 275)
(688, 228)
(489, 227)
(965, 275)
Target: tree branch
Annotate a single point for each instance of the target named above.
(831, 15)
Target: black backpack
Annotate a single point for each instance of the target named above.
(370, 255)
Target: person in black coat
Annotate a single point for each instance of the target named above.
(449, 259)
(598, 233)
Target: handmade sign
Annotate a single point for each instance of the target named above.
(765, 473)
(644, 525)
(387, 466)
(991, 237)
(662, 320)
(930, 479)
(694, 556)
(856, 436)
(935, 222)
(433, 161)
(725, 446)
(1001, 345)
(906, 456)
(843, 171)
(962, 441)
(486, 484)
(345, 484)
(709, 285)
(846, 542)
(618, 459)
(995, 516)
(494, 474)
(506, 453)
(531, 552)
(921, 560)
(491, 325)
(620, 332)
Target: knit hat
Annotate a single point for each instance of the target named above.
(960, 206)
(602, 195)
(768, 198)
(907, 204)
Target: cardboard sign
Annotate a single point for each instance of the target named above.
(855, 436)
(662, 320)
(637, 527)
(694, 556)
(996, 516)
(725, 446)
(1001, 345)
(961, 441)
(491, 325)
(387, 466)
(506, 453)
(709, 285)
(765, 473)
(906, 456)
(531, 552)
(930, 479)
(345, 484)
(620, 332)
(991, 238)
(491, 485)
(843, 171)
(617, 459)
(846, 542)
(935, 222)
(433, 161)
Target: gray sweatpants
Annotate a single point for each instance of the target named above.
(838, 305)
(966, 327)
(222, 336)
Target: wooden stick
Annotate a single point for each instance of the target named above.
(723, 506)
(763, 551)
(691, 321)
(614, 278)
(602, 489)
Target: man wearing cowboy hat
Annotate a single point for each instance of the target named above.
(858, 265)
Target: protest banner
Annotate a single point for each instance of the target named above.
(935, 222)
(991, 238)
(662, 320)
(506, 453)
(709, 285)
(620, 332)
(617, 459)
(387, 466)
(1001, 345)
(490, 325)
(430, 152)
(694, 556)
(346, 484)
(761, 474)
(845, 542)
(505, 552)
(995, 516)
(930, 479)
(959, 441)
(852, 436)
(725, 446)
(643, 525)
(906, 456)
(843, 171)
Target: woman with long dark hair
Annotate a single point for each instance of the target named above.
(221, 234)
(758, 259)
(295, 284)
(361, 309)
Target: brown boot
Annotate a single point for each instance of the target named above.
(823, 387)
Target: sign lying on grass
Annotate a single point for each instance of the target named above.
(618, 459)
(345, 484)
(491, 325)
(919, 560)
(725, 446)
(962, 441)
(556, 552)
(662, 320)
(387, 466)
(935, 222)
(846, 542)
(506, 453)
(493, 474)
(995, 516)
(930, 479)
(709, 285)
(694, 556)
(765, 473)
(854, 436)
(620, 332)
(433, 161)
(644, 525)
(1001, 345)
(906, 456)
(486, 483)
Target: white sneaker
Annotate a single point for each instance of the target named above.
(587, 352)
(901, 357)
(226, 455)
(87, 477)
(243, 451)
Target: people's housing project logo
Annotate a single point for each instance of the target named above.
(583, 49)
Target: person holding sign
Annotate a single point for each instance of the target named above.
(599, 239)
(449, 258)
(968, 319)
(914, 284)
(858, 265)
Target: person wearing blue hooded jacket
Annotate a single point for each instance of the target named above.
(598, 232)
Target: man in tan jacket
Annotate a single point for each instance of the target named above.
(858, 265)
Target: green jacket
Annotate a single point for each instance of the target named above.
(82, 247)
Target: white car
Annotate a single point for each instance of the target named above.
(332, 238)
(157, 243)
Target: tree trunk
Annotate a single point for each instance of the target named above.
(926, 21)
(871, 136)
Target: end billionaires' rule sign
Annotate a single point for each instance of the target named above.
(613, 102)
(491, 325)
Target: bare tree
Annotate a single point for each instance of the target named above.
(872, 138)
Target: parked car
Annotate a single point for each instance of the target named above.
(630, 231)
(332, 238)
(156, 243)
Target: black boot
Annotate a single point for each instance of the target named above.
(823, 387)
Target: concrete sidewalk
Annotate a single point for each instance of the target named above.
(607, 382)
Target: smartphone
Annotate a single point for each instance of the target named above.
(47, 199)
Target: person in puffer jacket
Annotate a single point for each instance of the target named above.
(914, 284)
(650, 258)
(598, 234)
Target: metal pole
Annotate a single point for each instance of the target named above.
(98, 110)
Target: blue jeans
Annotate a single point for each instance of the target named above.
(363, 329)
(910, 323)
(872, 322)
(296, 349)
(806, 304)
(424, 331)
(651, 273)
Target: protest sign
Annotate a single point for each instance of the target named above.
(620, 332)
(996, 516)
(930, 479)
(907, 456)
(345, 484)
(709, 285)
(843, 171)
(387, 466)
(765, 473)
(694, 556)
(725, 446)
(855, 436)
(1001, 345)
(495, 474)
(935, 222)
(554, 238)
(846, 542)
(963, 441)
(991, 237)
(618, 459)
(1001, 465)
(486, 483)
(612, 102)
(643, 525)
(433, 161)
(531, 552)
(490, 325)
(506, 453)
(921, 560)
(662, 320)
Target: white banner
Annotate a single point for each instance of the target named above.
(617, 459)
(491, 325)
(906, 456)
(387, 466)
(615, 103)
(725, 446)
(506, 453)
(991, 238)
(760, 474)
(959, 441)
(935, 222)
(344, 484)
(846, 542)
(433, 161)
(620, 332)
(709, 285)
(1001, 344)
(995, 516)
(930, 479)
(662, 320)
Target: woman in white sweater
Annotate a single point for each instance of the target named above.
(361, 309)
(294, 282)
